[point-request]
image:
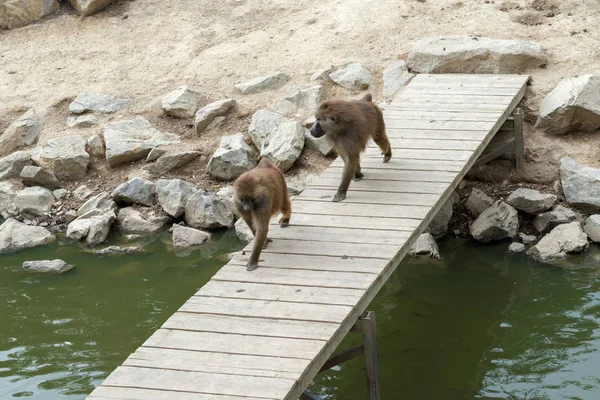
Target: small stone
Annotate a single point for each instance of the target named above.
(527, 239)
(592, 227)
(203, 210)
(118, 250)
(184, 236)
(36, 176)
(243, 231)
(425, 244)
(173, 194)
(531, 201)
(89, 7)
(64, 156)
(321, 144)
(562, 240)
(95, 146)
(47, 266)
(439, 224)
(262, 83)
(580, 184)
(12, 165)
(322, 74)
(352, 76)
(516, 247)
(70, 216)
(154, 154)
(34, 201)
(145, 220)
(18, 13)
(208, 113)
(96, 102)
(99, 204)
(59, 194)
(169, 162)
(25, 131)
(81, 121)
(551, 219)
(478, 202)
(135, 191)
(181, 103)
(498, 222)
(295, 100)
(232, 158)
(15, 235)
(82, 192)
(395, 76)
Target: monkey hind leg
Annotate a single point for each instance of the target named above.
(358, 175)
(286, 209)
(381, 139)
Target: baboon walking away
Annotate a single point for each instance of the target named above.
(348, 126)
(258, 195)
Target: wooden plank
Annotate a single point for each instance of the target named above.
(391, 114)
(320, 194)
(344, 235)
(401, 144)
(271, 292)
(265, 309)
(439, 124)
(378, 224)
(450, 98)
(255, 326)
(199, 382)
(358, 210)
(396, 175)
(382, 185)
(130, 393)
(475, 79)
(460, 90)
(372, 159)
(432, 134)
(478, 108)
(459, 84)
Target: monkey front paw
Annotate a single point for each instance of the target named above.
(339, 196)
(358, 176)
(283, 222)
(267, 242)
(251, 266)
(387, 157)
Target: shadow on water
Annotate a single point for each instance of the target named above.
(479, 324)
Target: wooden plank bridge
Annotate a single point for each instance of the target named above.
(266, 334)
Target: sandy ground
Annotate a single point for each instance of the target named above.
(142, 49)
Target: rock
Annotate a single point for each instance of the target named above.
(36, 176)
(303, 99)
(81, 193)
(352, 76)
(154, 154)
(547, 221)
(439, 224)
(278, 138)
(132, 139)
(395, 76)
(478, 202)
(498, 222)
(47, 266)
(89, 7)
(573, 105)
(243, 231)
(592, 227)
(169, 162)
(23, 132)
(184, 236)
(581, 185)
(8, 193)
(135, 191)
(527, 239)
(64, 156)
(225, 195)
(531, 201)
(322, 74)
(145, 220)
(95, 146)
(99, 204)
(96, 102)
(203, 210)
(181, 103)
(262, 83)
(81, 121)
(425, 244)
(173, 194)
(12, 165)
(564, 239)
(70, 216)
(321, 144)
(208, 113)
(93, 226)
(118, 250)
(516, 247)
(15, 235)
(17, 13)
(232, 158)
(297, 184)
(34, 201)
(474, 55)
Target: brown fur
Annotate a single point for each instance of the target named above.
(258, 195)
(348, 126)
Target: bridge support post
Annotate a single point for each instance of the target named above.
(519, 144)
(366, 326)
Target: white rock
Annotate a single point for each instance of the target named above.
(82, 192)
(47, 266)
(34, 201)
(208, 113)
(243, 231)
(306, 100)
(173, 194)
(154, 154)
(478, 202)
(225, 195)
(8, 193)
(168, 162)
(145, 220)
(93, 226)
(232, 158)
(131, 140)
(18, 13)
(352, 76)
(581, 185)
(527, 239)
(81, 121)
(262, 83)
(203, 210)
(439, 224)
(65, 156)
(99, 204)
(516, 247)
(425, 244)
(89, 7)
(321, 144)
(573, 105)
(36, 176)
(531, 201)
(12, 165)
(322, 74)
(95, 146)
(184, 236)
(395, 76)
(564, 239)
(474, 55)
(15, 235)
(547, 221)
(498, 222)
(96, 102)
(24, 131)
(592, 227)
(135, 191)
(181, 103)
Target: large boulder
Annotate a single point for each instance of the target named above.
(243, 231)
(81, 121)
(184, 236)
(36, 176)
(352, 76)
(34, 201)
(12, 165)
(17, 13)
(47, 266)
(297, 100)
(15, 235)
(173, 194)
(93, 226)
(395, 76)
(498, 222)
(547, 221)
(573, 105)
(65, 156)
(478, 202)
(142, 220)
(203, 210)
(531, 201)
(426, 245)
(474, 55)
(278, 138)
(8, 193)
(208, 113)
(180, 103)
(170, 161)
(100, 204)
(132, 139)
(592, 228)
(135, 191)
(581, 185)
(564, 239)
(262, 83)
(232, 158)
(23, 132)
(97, 102)
(89, 7)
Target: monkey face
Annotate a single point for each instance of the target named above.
(324, 124)
(316, 130)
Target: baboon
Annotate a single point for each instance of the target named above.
(258, 195)
(348, 125)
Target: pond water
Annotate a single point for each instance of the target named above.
(479, 324)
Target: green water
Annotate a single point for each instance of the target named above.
(480, 324)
